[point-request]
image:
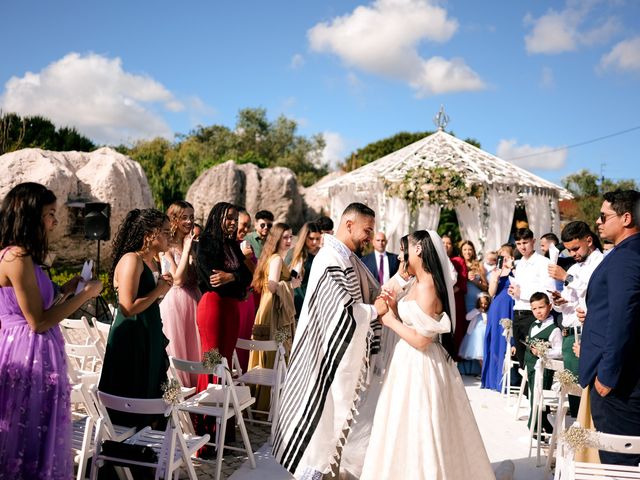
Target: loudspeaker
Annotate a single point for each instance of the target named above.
(96, 221)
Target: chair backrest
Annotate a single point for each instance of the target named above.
(81, 325)
(102, 330)
(257, 345)
(616, 443)
(197, 368)
(150, 406)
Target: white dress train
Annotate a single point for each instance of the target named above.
(424, 427)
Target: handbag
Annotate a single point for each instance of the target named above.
(127, 451)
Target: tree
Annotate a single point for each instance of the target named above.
(172, 167)
(380, 148)
(39, 132)
(588, 190)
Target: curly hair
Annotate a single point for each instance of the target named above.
(132, 231)
(21, 219)
(270, 247)
(431, 264)
(174, 212)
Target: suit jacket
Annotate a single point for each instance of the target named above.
(610, 344)
(373, 259)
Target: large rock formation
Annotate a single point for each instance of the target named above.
(76, 178)
(274, 189)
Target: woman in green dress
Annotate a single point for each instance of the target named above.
(136, 361)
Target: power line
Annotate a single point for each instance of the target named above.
(586, 142)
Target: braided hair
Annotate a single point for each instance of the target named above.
(21, 219)
(213, 228)
(132, 231)
(431, 264)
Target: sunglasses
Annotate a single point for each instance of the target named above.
(603, 216)
(265, 225)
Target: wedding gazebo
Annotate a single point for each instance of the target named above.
(408, 188)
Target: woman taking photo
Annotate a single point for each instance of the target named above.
(476, 278)
(136, 362)
(306, 249)
(178, 308)
(35, 412)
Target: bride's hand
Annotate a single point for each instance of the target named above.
(388, 318)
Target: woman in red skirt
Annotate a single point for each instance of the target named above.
(223, 278)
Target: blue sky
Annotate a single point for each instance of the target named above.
(522, 77)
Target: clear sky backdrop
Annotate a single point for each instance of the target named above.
(520, 76)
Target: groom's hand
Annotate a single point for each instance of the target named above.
(381, 306)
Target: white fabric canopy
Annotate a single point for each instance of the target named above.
(489, 219)
(538, 214)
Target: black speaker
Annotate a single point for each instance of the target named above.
(96, 221)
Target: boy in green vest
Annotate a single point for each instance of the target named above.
(543, 329)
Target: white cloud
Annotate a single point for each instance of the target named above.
(383, 39)
(334, 150)
(625, 56)
(566, 30)
(94, 94)
(526, 156)
(297, 61)
(547, 78)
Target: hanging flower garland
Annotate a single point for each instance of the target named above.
(436, 185)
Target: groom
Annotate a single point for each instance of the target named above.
(328, 359)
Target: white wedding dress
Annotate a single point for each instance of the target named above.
(424, 426)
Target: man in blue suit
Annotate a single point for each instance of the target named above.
(610, 346)
(382, 264)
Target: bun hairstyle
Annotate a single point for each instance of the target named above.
(21, 219)
(132, 232)
(431, 264)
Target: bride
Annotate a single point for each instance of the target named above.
(424, 427)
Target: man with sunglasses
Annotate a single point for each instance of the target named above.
(583, 246)
(262, 225)
(610, 344)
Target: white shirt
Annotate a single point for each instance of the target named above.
(555, 339)
(533, 276)
(576, 291)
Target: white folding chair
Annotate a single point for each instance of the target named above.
(523, 384)
(85, 417)
(541, 398)
(102, 329)
(79, 332)
(507, 364)
(80, 355)
(273, 378)
(227, 406)
(172, 446)
(568, 469)
(561, 414)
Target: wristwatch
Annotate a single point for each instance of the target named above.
(568, 279)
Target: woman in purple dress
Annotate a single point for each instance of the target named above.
(35, 413)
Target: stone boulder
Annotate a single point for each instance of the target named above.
(274, 189)
(76, 178)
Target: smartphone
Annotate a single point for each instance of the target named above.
(294, 274)
(500, 262)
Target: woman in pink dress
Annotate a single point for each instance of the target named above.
(35, 411)
(247, 307)
(179, 306)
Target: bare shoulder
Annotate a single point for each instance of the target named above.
(130, 263)
(427, 297)
(15, 261)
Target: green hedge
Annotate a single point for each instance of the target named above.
(62, 275)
